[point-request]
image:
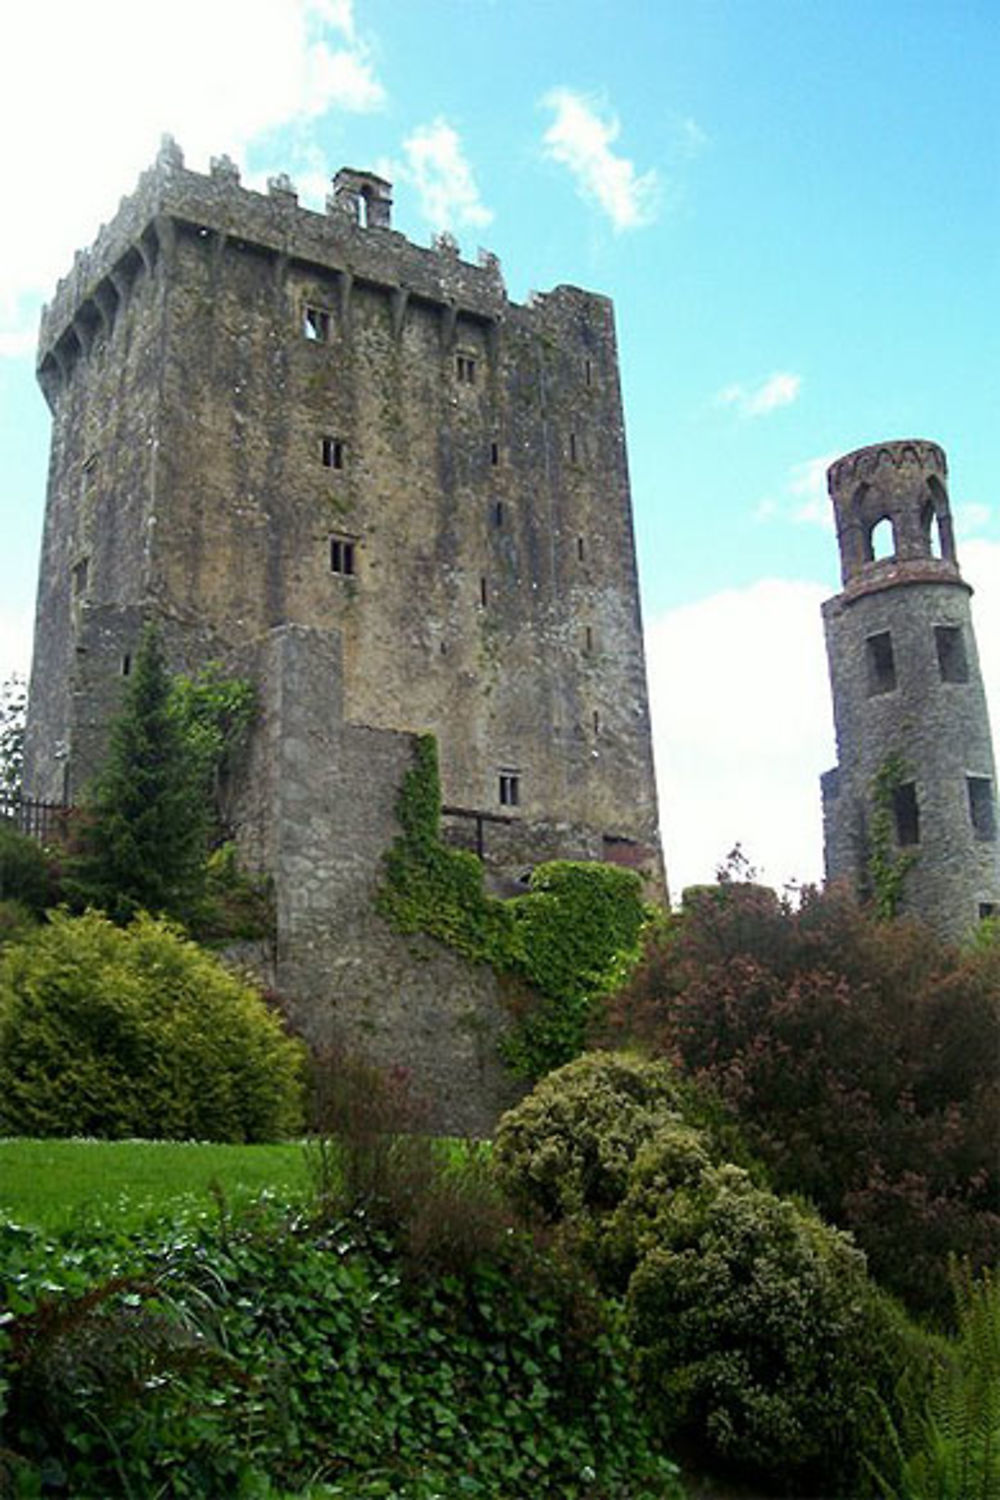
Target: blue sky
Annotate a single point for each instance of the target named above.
(795, 206)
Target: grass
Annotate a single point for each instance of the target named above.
(55, 1184)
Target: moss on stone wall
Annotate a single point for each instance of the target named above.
(571, 938)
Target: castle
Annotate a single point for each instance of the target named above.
(910, 712)
(352, 470)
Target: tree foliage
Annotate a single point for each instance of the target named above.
(118, 1032)
(13, 712)
(859, 1058)
(758, 1337)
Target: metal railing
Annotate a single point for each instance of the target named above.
(48, 822)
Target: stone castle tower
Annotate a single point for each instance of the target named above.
(353, 470)
(907, 691)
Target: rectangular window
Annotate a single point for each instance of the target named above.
(482, 592)
(581, 550)
(510, 788)
(951, 657)
(588, 371)
(572, 447)
(494, 454)
(881, 664)
(987, 909)
(906, 813)
(498, 513)
(342, 556)
(316, 324)
(465, 369)
(588, 639)
(332, 453)
(981, 809)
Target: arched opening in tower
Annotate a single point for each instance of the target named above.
(880, 543)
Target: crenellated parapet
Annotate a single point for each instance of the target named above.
(352, 239)
(901, 488)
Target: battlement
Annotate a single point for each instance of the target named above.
(353, 238)
(865, 464)
(896, 491)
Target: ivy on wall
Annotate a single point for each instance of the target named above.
(573, 937)
(887, 870)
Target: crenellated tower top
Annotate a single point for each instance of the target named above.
(892, 514)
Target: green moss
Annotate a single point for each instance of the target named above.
(571, 939)
(886, 869)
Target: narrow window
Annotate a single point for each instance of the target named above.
(906, 813)
(510, 788)
(588, 371)
(987, 909)
(597, 722)
(332, 453)
(498, 513)
(316, 325)
(951, 657)
(494, 454)
(342, 556)
(572, 447)
(881, 663)
(588, 640)
(126, 665)
(881, 544)
(581, 550)
(482, 592)
(981, 809)
(81, 575)
(465, 369)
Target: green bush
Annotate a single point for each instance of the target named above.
(16, 921)
(112, 1032)
(760, 1337)
(25, 871)
(566, 1151)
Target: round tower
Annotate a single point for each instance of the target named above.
(911, 802)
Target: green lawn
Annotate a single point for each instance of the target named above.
(55, 1183)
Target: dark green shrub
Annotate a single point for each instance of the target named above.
(759, 1337)
(113, 1032)
(26, 873)
(16, 921)
(566, 1151)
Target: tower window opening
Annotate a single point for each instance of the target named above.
(342, 556)
(510, 788)
(588, 639)
(931, 528)
(881, 541)
(498, 513)
(127, 665)
(588, 371)
(465, 369)
(315, 325)
(494, 454)
(597, 722)
(952, 661)
(981, 808)
(881, 663)
(987, 909)
(906, 813)
(482, 592)
(332, 453)
(81, 577)
(581, 550)
(572, 446)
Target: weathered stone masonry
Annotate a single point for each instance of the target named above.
(906, 683)
(352, 468)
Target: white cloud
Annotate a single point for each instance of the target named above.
(742, 730)
(436, 165)
(581, 139)
(780, 389)
(804, 496)
(971, 516)
(216, 75)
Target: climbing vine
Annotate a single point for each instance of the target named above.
(887, 870)
(573, 937)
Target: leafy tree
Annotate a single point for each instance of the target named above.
(13, 709)
(145, 839)
(216, 712)
(859, 1058)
